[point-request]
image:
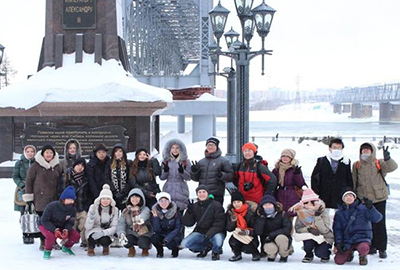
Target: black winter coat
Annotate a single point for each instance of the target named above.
(328, 185)
(272, 227)
(147, 183)
(83, 197)
(167, 224)
(95, 174)
(57, 215)
(212, 223)
(250, 218)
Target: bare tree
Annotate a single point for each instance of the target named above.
(7, 72)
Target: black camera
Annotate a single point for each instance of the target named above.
(248, 186)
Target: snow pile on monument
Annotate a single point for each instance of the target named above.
(83, 82)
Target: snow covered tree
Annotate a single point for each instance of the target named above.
(7, 72)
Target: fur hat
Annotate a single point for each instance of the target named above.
(268, 199)
(288, 152)
(202, 187)
(163, 195)
(237, 196)
(106, 192)
(48, 147)
(68, 193)
(100, 147)
(213, 140)
(308, 195)
(80, 160)
(250, 146)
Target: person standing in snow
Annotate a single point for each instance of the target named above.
(176, 169)
(72, 151)
(213, 170)
(369, 181)
(95, 170)
(101, 224)
(332, 174)
(57, 221)
(42, 181)
(19, 176)
(166, 223)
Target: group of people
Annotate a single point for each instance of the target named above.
(113, 201)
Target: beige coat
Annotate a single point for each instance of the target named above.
(367, 179)
(94, 220)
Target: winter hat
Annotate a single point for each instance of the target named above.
(68, 193)
(365, 146)
(202, 187)
(213, 140)
(289, 152)
(163, 195)
(348, 191)
(308, 195)
(30, 146)
(237, 196)
(268, 199)
(106, 192)
(81, 161)
(100, 147)
(48, 147)
(140, 149)
(250, 146)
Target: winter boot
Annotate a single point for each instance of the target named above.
(67, 250)
(351, 257)
(308, 258)
(271, 259)
(256, 257)
(106, 251)
(132, 252)
(205, 252)
(283, 259)
(175, 252)
(372, 251)
(382, 254)
(263, 254)
(160, 250)
(41, 246)
(46, 254)
(236, 257)
(325, 259)
(90, 252)
(145, 252)
(215, 256)
(363, 260)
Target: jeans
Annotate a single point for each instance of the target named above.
(196, 242)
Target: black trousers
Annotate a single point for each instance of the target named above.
(321, 250)
(238, 247)
(142, 241)
(379, 233)
(157, 239)
(104, 241)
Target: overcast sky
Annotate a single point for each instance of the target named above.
(323, 43)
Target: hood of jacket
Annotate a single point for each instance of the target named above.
(167, 150)
(136, 191)
(121, 146)
(78, 148)
(373, 154)
(171, 211)
(47, 165)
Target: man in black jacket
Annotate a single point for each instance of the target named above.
(95, 170)
(209, 232)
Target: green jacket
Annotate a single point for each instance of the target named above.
(19, 176)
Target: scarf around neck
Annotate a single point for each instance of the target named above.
(282, 170)
(240, 215)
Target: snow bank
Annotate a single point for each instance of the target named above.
(83, 82)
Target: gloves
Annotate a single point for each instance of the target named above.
(64, 234)
(57, 233)
(341, 247)
(268, 239)
(97, 235)
(180, 169)
(313, 231)
(123, 240)
(165, 167)
(190, 207)
(368, 203)
(297, 170)
(219, 173)
(319, 211)
(195, 167)
(386, 153)
(244, 232)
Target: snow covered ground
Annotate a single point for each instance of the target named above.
(15, 255)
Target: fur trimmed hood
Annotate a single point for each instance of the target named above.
(171, 210)
(43, 163)
(78, 148)
(167, 150)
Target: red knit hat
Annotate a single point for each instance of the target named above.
(308, 195)
(250, 146)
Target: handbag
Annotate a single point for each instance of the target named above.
(18, 196)
(299, 191)
(29, 221)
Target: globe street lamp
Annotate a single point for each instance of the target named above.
(260, 18)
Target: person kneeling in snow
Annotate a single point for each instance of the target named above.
(312, 226)
(274, 227)
(57, 221)
(240, 218)
(353, 229)
(102, 220)
(166, 224)
(209, 232)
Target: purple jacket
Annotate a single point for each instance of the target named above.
(286, 195)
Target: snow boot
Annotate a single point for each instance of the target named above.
(363, 260)
(41, 246)
(236, 257)
(90, 252)
(215, 256)
(325, 259)
(271, 259)
(382, 254)
(175, 252)
(132, 252)
(205, 252)
(106, 251)
(308, 258)
(256, 257)
(283, 259)
(67, 250)
(160, 250)
(145, 252)
(372, 251)
(46, 254)
(351, 257)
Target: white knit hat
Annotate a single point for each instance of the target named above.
(349, 192)
(106, 192)
(163, 195)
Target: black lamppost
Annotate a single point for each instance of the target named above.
(1, 61)
(261, 18)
